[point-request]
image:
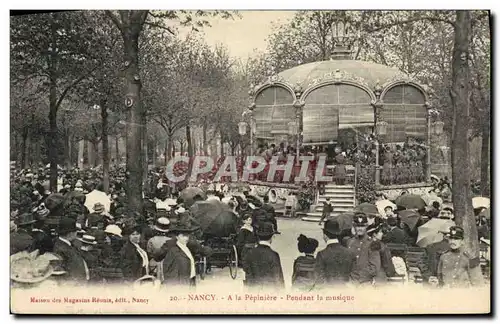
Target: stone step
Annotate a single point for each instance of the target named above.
(336, 208)
(338, 199)
(334, 186)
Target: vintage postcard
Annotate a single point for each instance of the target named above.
(250, 162)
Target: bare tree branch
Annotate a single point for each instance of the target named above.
(152, 24)
(415, 19)
(114, 19)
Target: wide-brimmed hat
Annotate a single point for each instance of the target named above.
(332, 227)
(435, 177)
(13, 226)
(29, 267)
(183, 228)
(265, 229)
(98, 208)
(25, 219)
(162, 225)
(114, 230)
(87, 239)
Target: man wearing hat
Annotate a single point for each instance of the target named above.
(75, 266)
(262, 264)
(395, 234)
(367, 260)
(335, 263)
(456, 268)
(90, 254)
(179, 264)
(21, 240)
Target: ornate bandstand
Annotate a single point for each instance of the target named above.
(331, 102)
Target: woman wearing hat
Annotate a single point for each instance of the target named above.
(154, 244)
(247, 238)
(179, 264)
(303, 266)
(135, 261)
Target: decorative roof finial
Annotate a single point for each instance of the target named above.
(341, 34)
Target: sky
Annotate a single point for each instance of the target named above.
(242, 35)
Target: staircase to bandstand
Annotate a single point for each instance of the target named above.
(342, 199)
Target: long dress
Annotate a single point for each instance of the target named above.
(246, 240)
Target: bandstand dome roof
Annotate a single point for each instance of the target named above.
(369, 72)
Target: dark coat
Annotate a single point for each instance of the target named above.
(176, 266)
(367, 260)
(334, 265)
(263, 268)
(434, 252)
(42, 241)
(72, 261)
(395, 236)
(131, 262)
(193, 245)
(246, 240)
(20, 241)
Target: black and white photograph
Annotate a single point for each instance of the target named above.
(250, 162)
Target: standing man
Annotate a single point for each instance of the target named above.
(72, 262)
(327, 209)
(366, 259)
(456, 268)
(335, 263)
(395, 235)
(262, 264)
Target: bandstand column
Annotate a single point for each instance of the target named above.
(428, 146)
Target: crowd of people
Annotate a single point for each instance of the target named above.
(89, 237)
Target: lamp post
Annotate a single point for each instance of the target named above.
(381, 130)
(293, 130)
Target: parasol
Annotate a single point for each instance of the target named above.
(367, 208)
(383, 204)
(189, 194)
(480, 202)
(215, 218)
(430, 232)
(344, 220)
(410, 218)
(410, 201)
(97, 196)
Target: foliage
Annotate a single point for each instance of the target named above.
(365, 185)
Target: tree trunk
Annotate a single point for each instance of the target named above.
(145, 156)
(67, 151)
(155, 146)
(81, 153)
(221, 144)
(189, 141)
(134, 117)
(205, 149)
(53, 137)
(24, 148)
(173, 149)
(460, 89)
(117, 151)
(95, 154)
(485, 158)
(105, 146)
(182, 148)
